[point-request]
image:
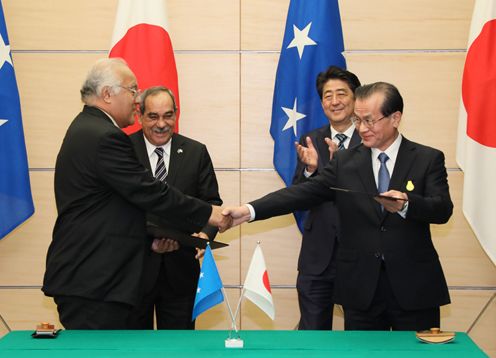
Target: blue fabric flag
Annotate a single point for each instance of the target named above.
(16, 203)
(209, 291)
(313, 41)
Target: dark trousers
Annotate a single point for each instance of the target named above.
(173, 309)
(83, 313)
(315, 299)
(385, 313)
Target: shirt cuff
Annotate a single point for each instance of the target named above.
(307, 174)
(403, 211)
(252, 212)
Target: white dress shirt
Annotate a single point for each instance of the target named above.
(346, 143)
(153, 157)
(392, 153)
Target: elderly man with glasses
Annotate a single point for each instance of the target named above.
(95, 260)
(388, 271)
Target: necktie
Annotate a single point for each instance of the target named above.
(160, 171)
(383, 182)
(342, 138)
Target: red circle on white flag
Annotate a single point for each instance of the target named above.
(479, 87)
(147, 49)
(266, 281)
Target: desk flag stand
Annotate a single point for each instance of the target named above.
(257, 289)
(210, 291)
(234, 339)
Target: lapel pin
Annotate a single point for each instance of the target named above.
(410, 186)
(179, 151)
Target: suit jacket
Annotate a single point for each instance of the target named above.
(321, 227)
(190, 171)
(102, 193)
(368, 235)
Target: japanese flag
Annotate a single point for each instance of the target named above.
(476, 148)
(257, 285)
(142, 39)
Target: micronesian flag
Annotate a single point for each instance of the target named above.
(209, 290)
(313, 41)
(16, 202)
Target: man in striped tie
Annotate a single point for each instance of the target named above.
(316, 266)
(171, 271)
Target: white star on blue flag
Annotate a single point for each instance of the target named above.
(304, 54)
(16, 203)
(209, 290)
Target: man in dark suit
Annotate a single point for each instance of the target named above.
(388, 271)
(316, 264)
(95, 260)
(171, 272)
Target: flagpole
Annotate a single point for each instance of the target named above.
(242, 295)
(232, 342)
(239, 303)
(233, 321)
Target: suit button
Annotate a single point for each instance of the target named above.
(383, 229)
(377, 255)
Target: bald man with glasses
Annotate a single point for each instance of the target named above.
(95, 260)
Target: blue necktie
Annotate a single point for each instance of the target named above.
(341, 138)
(383, 182)
(160, 170)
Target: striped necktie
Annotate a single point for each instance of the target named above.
(161, 170)
(341, 138)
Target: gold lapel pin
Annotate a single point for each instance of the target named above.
(410, 186)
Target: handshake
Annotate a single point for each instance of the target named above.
(228, 217)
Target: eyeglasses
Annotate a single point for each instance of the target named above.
(357, 121)
(133, 90)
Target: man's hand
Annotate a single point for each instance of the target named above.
(200, 252)
(239, 214)
(163, 245)
(333, 147)
(308, 155)
(223, 222)
(392, 205)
